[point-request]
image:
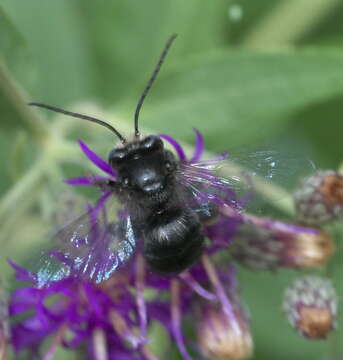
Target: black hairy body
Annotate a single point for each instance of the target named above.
(157, 203)
(161, 210)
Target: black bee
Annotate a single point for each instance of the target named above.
(147, 186)
(157, 204)
(167, 202)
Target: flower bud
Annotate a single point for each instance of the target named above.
(272, 244)
(219, 339)
(319, 199)
(310, 305)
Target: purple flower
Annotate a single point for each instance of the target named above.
(81, 308)
(108, 317)
(99, 299)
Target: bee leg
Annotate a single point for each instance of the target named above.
(207, 213)
(106, 185)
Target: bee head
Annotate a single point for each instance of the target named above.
(143, 166)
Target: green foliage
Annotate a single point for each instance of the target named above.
(89, 54)
(220, 91)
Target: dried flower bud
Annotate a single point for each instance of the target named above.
(310, 305)
(219, 339)
(320, 198)
(273, 244)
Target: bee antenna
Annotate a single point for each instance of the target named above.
(151, 80)
(81, 116)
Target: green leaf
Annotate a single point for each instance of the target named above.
(12, 45)
(14, 64)
(126, 38)
(13, 61)
(237, 98)
(109, 48)
(57, 42)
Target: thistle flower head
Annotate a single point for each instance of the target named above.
(219, 338)
(82, 308)
(310, 305)
(266, 244)
(319, 199)
(99, 298)
(110, 312)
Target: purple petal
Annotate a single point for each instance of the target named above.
(281, 226)
(102, 202)
(227, 306)
(85, 181)
(278, 225)
(96, 160)
(23, 300)
(26, 338)
(62, 258)
(160, 311)
(21, 273)
(221, 232)
(176, 146)
(219, 157)
(199, 146)
(196, 287)
(179, 338)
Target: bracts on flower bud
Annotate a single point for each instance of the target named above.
(310, 305)
(319, 199)
(218, 339)
(266, 244)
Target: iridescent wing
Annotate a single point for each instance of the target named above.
(90, 247)
(237, 178)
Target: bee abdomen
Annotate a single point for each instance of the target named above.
(173, 241)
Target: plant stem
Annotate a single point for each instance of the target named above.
(288, 22)
(56, 342)
(17, 97)
(100, 345)
(12, 199)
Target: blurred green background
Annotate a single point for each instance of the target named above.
(245, 73)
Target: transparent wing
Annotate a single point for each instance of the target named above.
(267, 166)
(89, 247)
(234, 179)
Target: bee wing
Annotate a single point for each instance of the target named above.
(89, 247)
(205, 186)
(230, 178)
(277, 167)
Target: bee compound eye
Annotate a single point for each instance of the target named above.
(117, 155)
(152, 142)
(167, 165)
